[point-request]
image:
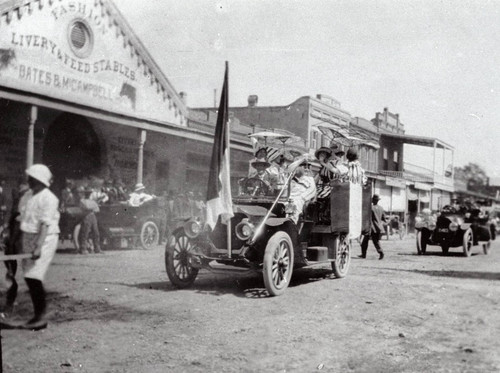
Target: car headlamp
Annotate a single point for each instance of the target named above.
(453, 226)
(244, 230)
(431, 226)
(192, 228)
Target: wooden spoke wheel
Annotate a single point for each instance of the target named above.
(278, 263)
(340, 266)
(178, 260)
(467, 242)
(150, 235)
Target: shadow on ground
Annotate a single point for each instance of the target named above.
(64, 308)
(249, 285)
(453, 274)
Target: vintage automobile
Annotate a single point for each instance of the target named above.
(264, 238)
(453, 228)
(119, 223)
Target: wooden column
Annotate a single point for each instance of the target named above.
(140, 158)
(30, 151)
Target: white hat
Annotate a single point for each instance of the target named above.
(138, 187)
(41, 173)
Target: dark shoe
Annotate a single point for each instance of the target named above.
(35, 324)
(381, 256)
(362, 256)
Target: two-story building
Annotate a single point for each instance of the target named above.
(410, 187)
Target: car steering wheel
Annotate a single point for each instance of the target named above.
(256, 187)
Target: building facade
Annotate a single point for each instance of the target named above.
(80, 93)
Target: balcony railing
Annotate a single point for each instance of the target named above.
(419, 174)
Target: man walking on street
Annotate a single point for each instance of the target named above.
(89, 222)
(377, 226)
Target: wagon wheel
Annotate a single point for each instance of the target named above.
(149, 235)
(278, 263)
(467, 242)
(178, 257)
(486, 247)
(421, 244)
(340, 266)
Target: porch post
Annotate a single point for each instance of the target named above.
(140, 158)
(30, 151)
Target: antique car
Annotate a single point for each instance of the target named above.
(264, 238)
(453, 228)
(119, 223)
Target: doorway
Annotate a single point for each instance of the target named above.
(71, 149)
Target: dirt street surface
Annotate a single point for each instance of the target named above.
(407, 313)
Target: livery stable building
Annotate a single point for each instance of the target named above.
(80, 93)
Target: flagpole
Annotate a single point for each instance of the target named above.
(229, 164)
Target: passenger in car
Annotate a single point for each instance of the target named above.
(302, 191)
(356, 174)
(278, 170)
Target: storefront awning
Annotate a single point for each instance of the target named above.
(412, 196)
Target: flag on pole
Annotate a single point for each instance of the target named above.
(219, 187)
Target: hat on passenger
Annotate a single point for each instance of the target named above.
(340, 153)
(375, 197)
(352, 154)
(261, 149)
(323, 149)
(264, 164)
(139, 187)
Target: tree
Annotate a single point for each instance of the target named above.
(474, 176)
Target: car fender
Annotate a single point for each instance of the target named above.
(273, 222)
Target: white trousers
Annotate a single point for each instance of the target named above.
(36, 269)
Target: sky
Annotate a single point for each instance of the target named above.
(436, 63)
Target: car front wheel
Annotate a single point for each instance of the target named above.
(178, 260)
(278, 263)
(467, 242)
(340, 266)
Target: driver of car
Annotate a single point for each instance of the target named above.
(263, 174)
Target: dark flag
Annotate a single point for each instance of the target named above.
(219, 187)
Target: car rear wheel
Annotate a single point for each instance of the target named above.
(178, 260)
(486, 247)
(340, 266)
(278, 263)
(421, 244)
(467, 242)
(149, 235)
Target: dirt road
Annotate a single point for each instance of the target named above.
(407, 313)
